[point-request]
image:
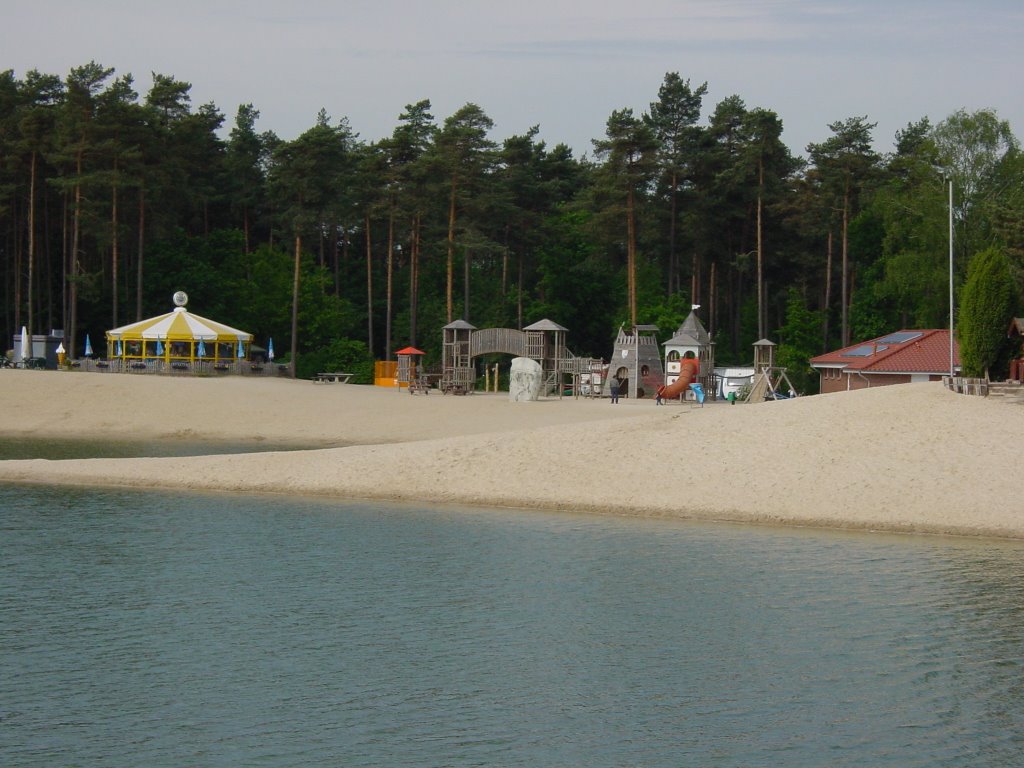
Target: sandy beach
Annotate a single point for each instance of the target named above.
(909, 458)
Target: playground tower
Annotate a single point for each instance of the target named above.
(691, 340)
(636, 362)
(457, 371)
(768, 377)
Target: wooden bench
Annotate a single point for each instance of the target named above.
(333, 377)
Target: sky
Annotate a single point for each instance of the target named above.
(563, 65)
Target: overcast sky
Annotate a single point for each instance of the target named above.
(560, 64)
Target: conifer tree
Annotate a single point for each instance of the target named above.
(629, 152)
(986, 308)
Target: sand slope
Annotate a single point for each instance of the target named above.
(904, 458)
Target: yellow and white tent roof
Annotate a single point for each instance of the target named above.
(179, 325)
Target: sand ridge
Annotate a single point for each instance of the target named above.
(911, 457)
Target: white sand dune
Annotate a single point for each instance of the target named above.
(901, 458)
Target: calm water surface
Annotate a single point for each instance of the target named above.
(55, 449)
(181, 630)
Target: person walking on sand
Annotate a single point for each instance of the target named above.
(615, 391)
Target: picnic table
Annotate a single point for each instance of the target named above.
(332, 377)
(420, 384)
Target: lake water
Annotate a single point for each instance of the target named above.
(59, 448)
(215, 630)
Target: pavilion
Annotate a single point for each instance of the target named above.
(178, 337)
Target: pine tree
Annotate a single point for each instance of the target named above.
(629, 152)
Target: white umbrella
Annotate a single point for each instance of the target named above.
(26, 346)
(241, 352)
(270, 349)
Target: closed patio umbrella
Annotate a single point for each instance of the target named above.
(270, 349)
(201, 349)
(88, 346)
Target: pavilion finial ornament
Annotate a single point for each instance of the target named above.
(180, 298)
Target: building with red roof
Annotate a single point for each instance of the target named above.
(896, 358)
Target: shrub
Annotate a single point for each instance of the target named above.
(986, 307)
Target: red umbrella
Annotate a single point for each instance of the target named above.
(410, 351)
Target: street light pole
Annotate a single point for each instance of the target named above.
(951, 278)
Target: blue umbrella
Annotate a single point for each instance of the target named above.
(159, 348)
(201, 349)
(241, 352)
(117, 349)
(88, 346)
(270, 349)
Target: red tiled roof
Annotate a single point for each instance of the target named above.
(928, 352)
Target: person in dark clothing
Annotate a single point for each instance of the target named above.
(614, 390)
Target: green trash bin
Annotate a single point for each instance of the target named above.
(731, 397)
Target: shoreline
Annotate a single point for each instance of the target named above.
(906, 458)
(967, 530)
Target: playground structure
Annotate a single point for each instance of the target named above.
(636, 362)
(768, 377)
(543, 341)
(689, 363)
(690, 354)
(409, 372)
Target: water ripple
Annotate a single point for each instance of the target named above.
(168, 630)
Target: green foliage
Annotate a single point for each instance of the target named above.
(577, 287)
(201, 266)
(800, 340)
(872, 312)
(668, 313)
(152, 199)
(345, 355)
(323, 317)
(986, 307)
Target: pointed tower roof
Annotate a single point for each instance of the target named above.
(690, 332)
(545, 325)
(459, 325)
(695, 328)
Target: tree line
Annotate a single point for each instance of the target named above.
(346, 249)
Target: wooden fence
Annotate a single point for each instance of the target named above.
(966, 386)
(181, 367)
